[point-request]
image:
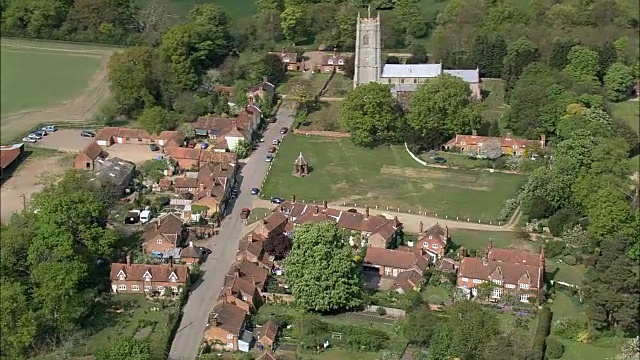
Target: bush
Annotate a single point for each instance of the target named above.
(542, 331)
(508, 207)
(554, 248)
(590, 261)
(569, 329)
(555, 349)
(570, 260)
(381, 311)
(539, 208)
(561, 220)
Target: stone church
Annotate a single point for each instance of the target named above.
(405, 78)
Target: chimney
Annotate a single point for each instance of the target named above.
(171, 262)
(265, 79)
(316, 210)
(293, 199)
(335, 51)
(236, 272)
(366, 212)
(250, 238)
(446, 233)
(543, 140)
(190, 243)
(157, 224)
(253, 279)
(282, 208)
(128, 259)
(264, 221)
(508, 137)
(213, 321)
(208, 193)
(324, 204)
(485, 259)
(490, 245)
(201, 187)
(420, 227)
(474, 133)
(476, 254)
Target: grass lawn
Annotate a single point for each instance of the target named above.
(493, 93)
(237, 11)
(385, 176)
(258, 214)
(473, 240)
(339, 86)
(326, 118)
(574, 350)
(565, 273)
(457, 160)
(317, 80)
(436, 294)
(629, 111)
(36, 77)
(634, 163)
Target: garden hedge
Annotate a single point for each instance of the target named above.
(542, 331)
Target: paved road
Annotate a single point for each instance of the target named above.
(412, 221)
(224, 245)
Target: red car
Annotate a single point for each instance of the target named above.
(271, 150)
(245, 213)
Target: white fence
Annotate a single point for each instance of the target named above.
(179, 202)
(393, 312)
(421, 162)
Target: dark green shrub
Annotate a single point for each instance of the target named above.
(555, 349)
(554, 248)
(542, 331)
(570, 260)
(561, 220)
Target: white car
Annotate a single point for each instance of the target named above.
(28, 139)
(34, 136)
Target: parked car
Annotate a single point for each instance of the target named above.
(273, 119)
(205, 250)
(255, 191)
(29, 140)
(41, 133)
(277, 200)
(275, 142)
(284, 130)
(245, 213)
(204, 145)
(269, 158)
(34, 136)
(439, 160)
(191, 144)
(355, 211)
(50, 128)
(272, 150)
(88, 134)
(154, 147)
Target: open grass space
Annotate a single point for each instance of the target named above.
(385, 176)
(339, 86)
(317, 80)
(125, 314)
(325, 118)
(565, 273)
(237, 10)
(493, 99)
(473, 240)
(629, 111)
(37, 77)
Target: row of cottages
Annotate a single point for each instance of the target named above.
(148, 278)
(226, 133)
(211, 185)
(330, 62)
(510, 272)
(474, 144)
(108, 136)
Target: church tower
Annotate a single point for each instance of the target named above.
(367, 60)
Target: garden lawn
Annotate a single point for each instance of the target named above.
(36, 78)
(326, 118)
(237, 10)
(339, 86)
(385, 177)
(473, 240)
(562, 272)
(629, 111)
(493, 95)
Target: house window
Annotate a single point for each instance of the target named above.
(87, 166)
(387, 271)
(139, 140)
(497, 282)
(159, 241)
(464, 279)
(122, 287)
(401, 81)
(121, 277)
(340, 62)
(174, 289)
(229, 336)
(244, 297)
(510, 286)
(415, 81)
(524, 286)
(477, 281)
(135, 288)
(147, 288)
(425, 244)
(430, 237)
(496, 293)
(524, 297)
(330, 62)
(160, 288)
(147, 278)
(435, 246)
(479, 144)
(229, 345)
(365, 40)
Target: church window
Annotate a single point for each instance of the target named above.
(401, 81)
(365, 40)
(415, 81)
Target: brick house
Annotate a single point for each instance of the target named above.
(333, 61)
(434, 241)
(107, 136)
(392, 263)
(261, 91)
(407, 281)
(473, 144)
(146, 278)
(191, 255)
(163, 235)
(268, 334)
(250, 272)
(240, 291)
(511, 272)
(86, 159)
(169, 138)
(185, 158)
(377, 231)
(225, 326)
(289, 59)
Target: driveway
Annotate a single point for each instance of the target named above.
(186, 343)
(64, 140)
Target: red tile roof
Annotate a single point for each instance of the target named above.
(183, 153)
(169, 226)
(229, 317)
(92, 151)
(475, 140)
(269, 330)
(509, 273)
(514, 256)
(162, 272)
(437, 234)
(395, 258)
(8, 154)
(107, 133)
(407, 280)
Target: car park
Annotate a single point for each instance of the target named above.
(269, 158)
(277, 200)
(34, 136)
(284, 130)
(245, 213)
(88, 134)
(29, 140)
(255, 191)
(153, 147)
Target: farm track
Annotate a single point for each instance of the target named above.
(78, 109)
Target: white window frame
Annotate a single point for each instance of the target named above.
(229, 336)
(524, 298)
(435, 246)
(477, 281)
(430, 237)
(229, 345)
(425, 244)
(524, 286)
(496, 293)
(340, 62)
(160, 288)
(330, 62)
(147, 278)
(464, 279)
(159, 241)
(122, 287)
(497, 282)
(148, 288)
(135, 288)
(510, 286)
(121, 277)
(174, 289)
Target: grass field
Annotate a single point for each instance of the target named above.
(629, 111)
(473, 240)
(37, 78)
(493, 94)
(385, 176)
(326, 118)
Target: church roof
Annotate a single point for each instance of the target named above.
(470, 76)
(300, 160)
(411, 70)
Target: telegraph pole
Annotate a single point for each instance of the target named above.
(24, 202)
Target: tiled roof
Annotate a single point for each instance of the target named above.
(274, 220)
(411, 70)
(248, 270)
(514, 256)
(335, 59)
(269, 330)
(162, 272)
(229, 317)
(239, 284)
(407, 280)
(437, 233)
(92, 151)
(191, 252)
(9, 154)
(475, 140)
(134, 133)
(253, 244)
(183, 153)
(267, 355)
(170, 227)
(107, 133)
(219, 157)
(395, 258)
(509, 273)
(171, 135)
(185, 182)
(470, 76)
(447, 265)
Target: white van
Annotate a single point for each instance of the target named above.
(145, 216)
(49, 128)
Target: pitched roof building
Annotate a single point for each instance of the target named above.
(163, 234)
(434, 240)
(225, 326)
(86, 159)
(9, 154)
(392, 263)
(147, 278)
(475, 144)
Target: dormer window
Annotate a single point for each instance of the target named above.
(435, 246)
(159, 241)
(524, 286)
(286, 59)
(147, 276)
(340, 62)
(173, 277)
(430, 237)
(463, 143)
(121, 275)
(497, 282)
(330, 62)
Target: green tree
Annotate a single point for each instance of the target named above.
(293, 23)
(441, 108)
(270, 66)
(126, 347)
(414, 326)
(209, 15)
(559, 51)
(157, 119)
(617, 82)
(18, 323)
(520, 53)
(606, 57)
(242, 149)
(409, 18)
(370, 115)
(609, 213)
(132, 79)
(320, 271)
(583, 64)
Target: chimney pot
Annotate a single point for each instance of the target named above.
(508, 135)
(128, 260)
(157, 224)
(324, 203)
(366, 212)
(421, 227)
(171, 261)
(474, 133)
(316, 209)
(201, 186)
(293, 199)
(190, 243)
